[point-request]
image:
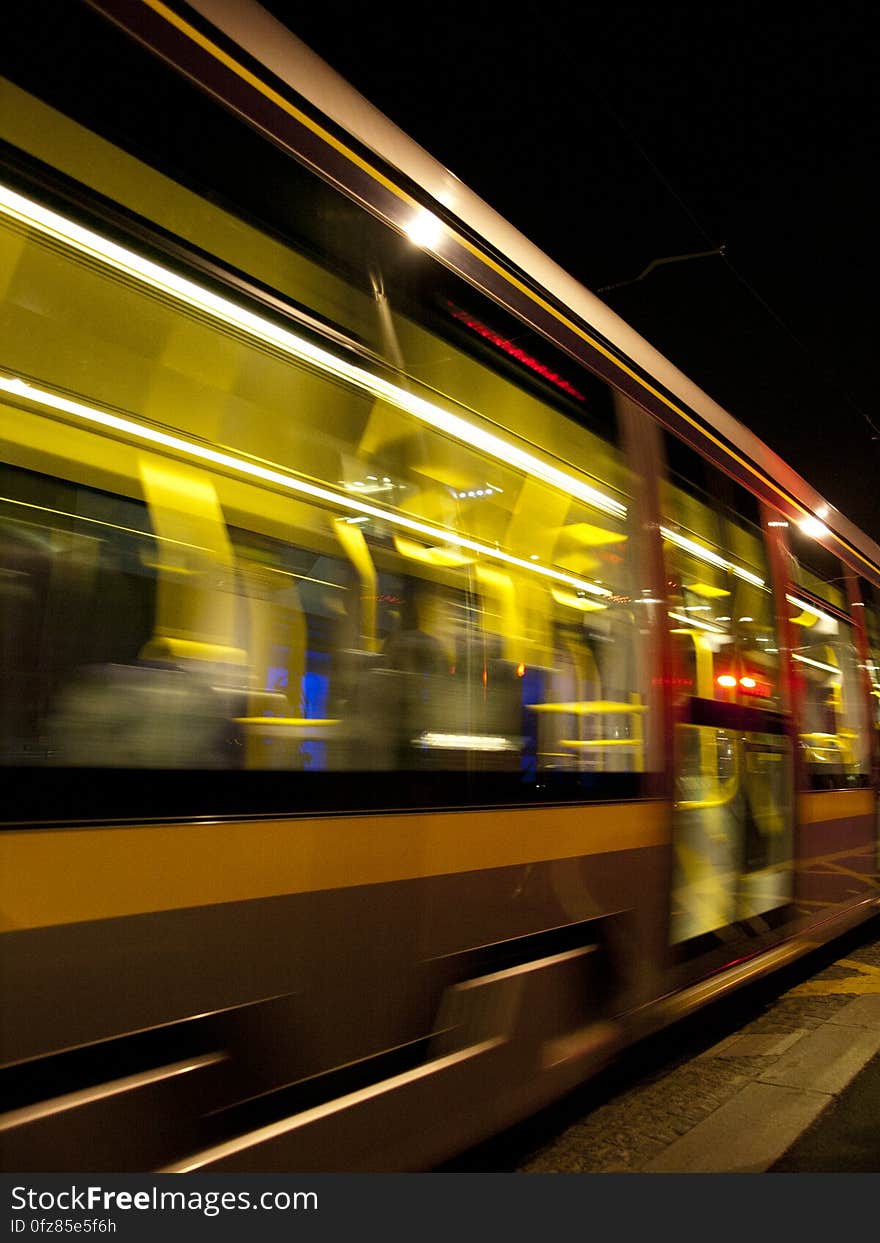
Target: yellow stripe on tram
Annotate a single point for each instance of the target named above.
(59, 876)
(820, 806)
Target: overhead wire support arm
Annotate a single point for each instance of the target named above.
(656, 263)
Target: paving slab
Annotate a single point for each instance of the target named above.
(863, 1012)
(771, 1044)
(825, 1060)
(746, 1135)
(846, 1137)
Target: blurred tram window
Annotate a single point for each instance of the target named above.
(379, 527)
(734, 809)
(720, 601)
(77, 589)
(833, 727)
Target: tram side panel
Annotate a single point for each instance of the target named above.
(356, 609)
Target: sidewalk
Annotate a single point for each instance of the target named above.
(742, 1105)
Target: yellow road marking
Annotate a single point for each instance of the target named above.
(866, 980)
(837, 869)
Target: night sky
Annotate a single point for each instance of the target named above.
(618, 135)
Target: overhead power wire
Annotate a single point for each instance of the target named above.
(719, 250)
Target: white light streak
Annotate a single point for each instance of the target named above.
(466, 742)
(155, 276)
(695, 621)
(710, 557)
(290, 483)
(811, 608)
(817, 664)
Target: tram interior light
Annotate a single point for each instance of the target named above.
(748, 684)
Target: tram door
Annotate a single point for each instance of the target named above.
(871, 605)
(733, 827)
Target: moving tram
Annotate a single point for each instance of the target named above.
(412, 689)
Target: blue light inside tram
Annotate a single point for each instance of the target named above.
(532, 692)
(314, 697)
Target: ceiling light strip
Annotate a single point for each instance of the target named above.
(817, 664)
(150, 435)
(695, 621)
(154, 275)
(811, 608)
(710, 557)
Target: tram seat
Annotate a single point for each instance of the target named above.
(142, 716)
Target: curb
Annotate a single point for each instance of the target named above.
(752, 1130)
